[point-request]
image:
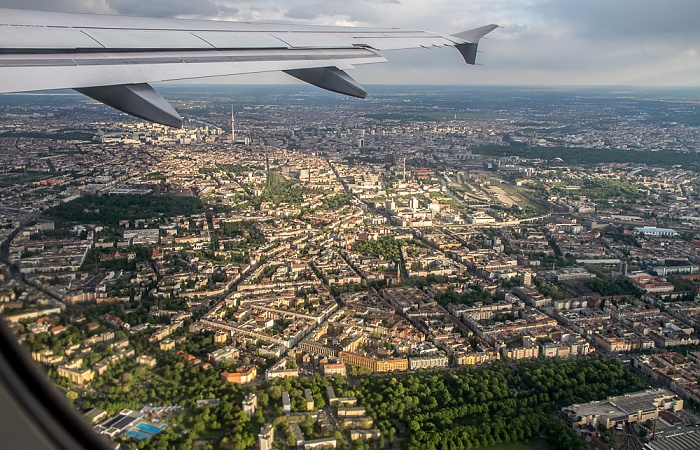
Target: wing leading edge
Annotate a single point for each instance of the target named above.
(112, 59)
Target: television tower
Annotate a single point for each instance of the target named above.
(233, 127)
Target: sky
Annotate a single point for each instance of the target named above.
(541, 42)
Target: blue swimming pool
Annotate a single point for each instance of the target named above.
(148, 428)
(137, 434)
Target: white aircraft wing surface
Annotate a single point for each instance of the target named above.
(114, 58)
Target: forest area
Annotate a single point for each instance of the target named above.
(504, 402)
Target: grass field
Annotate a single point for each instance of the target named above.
(534, 444)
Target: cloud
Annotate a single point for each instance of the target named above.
(624, 17)
(635, 42)
(304, 12)
(76, 6)
(144, 8)
(541, 42)
(357, 13)
(170, 8)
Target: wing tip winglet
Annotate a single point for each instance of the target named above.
(470, 41)
(472, 36)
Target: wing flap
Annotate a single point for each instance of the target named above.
(21, 38)
(401, 42)
(147, 39)
(315, 40)
(243, 39)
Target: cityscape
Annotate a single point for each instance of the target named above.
(431, 267)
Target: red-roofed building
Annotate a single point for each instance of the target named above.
(117, 321)
(241, 376)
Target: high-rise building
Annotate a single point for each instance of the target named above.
(250, 404)
(623, 267)
(266, 437)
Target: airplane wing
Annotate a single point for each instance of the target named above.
(113, 59)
